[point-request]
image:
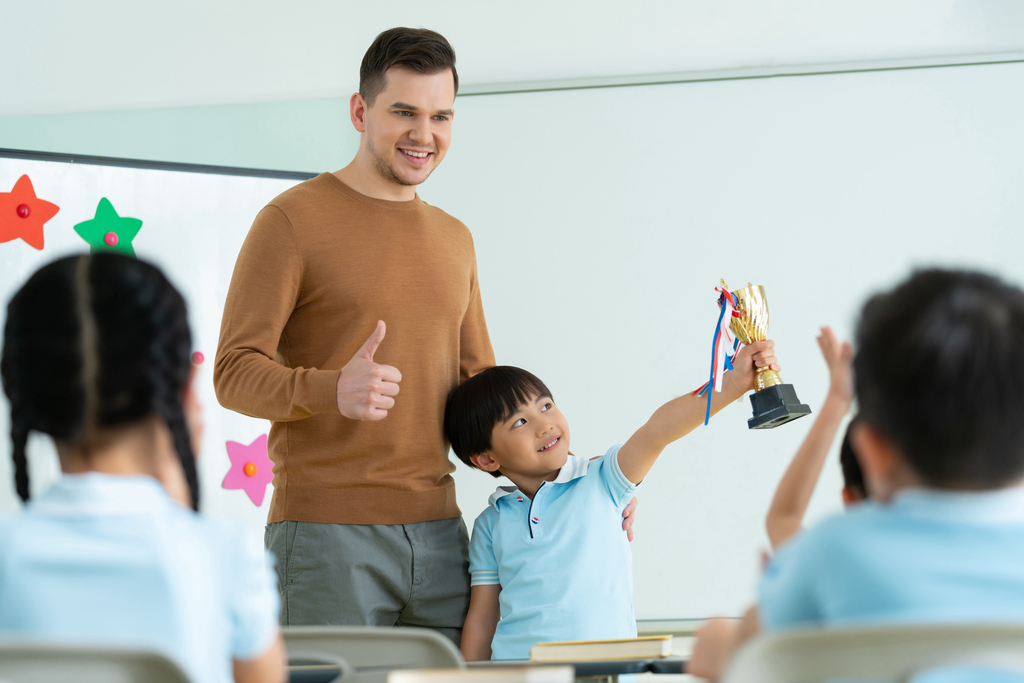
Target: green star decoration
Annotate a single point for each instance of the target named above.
(107, 222)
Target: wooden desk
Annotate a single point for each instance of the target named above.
(592, 672)
(603, 670)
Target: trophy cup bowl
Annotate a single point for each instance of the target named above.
(774, 403)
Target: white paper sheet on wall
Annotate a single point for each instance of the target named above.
(193, 225)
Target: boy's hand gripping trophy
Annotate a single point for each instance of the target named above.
(774, 403)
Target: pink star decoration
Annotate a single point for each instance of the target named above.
(251, 469)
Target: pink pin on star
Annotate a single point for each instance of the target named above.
(251, 469)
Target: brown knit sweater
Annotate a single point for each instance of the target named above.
(320, 266)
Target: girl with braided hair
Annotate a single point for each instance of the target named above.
(96, 356)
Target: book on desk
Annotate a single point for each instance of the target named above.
(498, 674)
(647, 647)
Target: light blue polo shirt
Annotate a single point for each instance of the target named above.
(927, 557)
(562, 559)
(114, 560)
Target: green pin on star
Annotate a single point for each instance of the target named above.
(108, 231)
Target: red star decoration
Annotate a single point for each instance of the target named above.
(22, 214)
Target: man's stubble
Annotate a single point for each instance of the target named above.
(385, 170)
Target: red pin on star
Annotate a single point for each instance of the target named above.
(251, 469)
(22, 214)
(108, 231)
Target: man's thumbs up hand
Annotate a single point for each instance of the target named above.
(366, 390)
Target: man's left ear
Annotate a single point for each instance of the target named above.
(357, 112)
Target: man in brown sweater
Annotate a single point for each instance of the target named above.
(347, 285)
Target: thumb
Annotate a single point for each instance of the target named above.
(370, 346)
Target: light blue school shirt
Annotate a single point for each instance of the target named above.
(113, 560)
(562, 559)
(927, 557)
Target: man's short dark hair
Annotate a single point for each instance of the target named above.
(853, 476)
(419, 49)
(940, 371)
(483, 401)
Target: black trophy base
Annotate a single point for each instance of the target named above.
(776, 406)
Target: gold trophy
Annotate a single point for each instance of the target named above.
(774, 403)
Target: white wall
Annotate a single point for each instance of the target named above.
(64, 56)
(603, 220)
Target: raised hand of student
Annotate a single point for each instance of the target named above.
(839, 358)
(367, 390)
(793, 494)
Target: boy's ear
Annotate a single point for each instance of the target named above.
(878, 457)
(485, 462)
(851, 496)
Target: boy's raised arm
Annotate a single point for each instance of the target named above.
(794, 492)
(680, 416)
(481, 621)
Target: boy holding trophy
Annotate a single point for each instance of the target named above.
(546, 560)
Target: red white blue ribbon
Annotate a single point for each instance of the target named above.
(720, 343)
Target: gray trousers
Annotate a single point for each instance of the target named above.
(373, 574)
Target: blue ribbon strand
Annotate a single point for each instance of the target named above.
(714, 346)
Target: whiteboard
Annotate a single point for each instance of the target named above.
(603, 219)
(193, 225)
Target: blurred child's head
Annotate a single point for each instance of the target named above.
(504, 421)
(94, 347)
(854, 490)
(940, 384)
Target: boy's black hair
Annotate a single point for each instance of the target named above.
(853, 477)
(93, 342)
(940, 371)
(483, 401)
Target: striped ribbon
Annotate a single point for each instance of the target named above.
(720, 358)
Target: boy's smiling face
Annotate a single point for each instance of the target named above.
(532, 443)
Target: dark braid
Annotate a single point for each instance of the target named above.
(183, 444)
(110, 348)
(41, 363)
(19, 437)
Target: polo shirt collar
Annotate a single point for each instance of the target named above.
(997, 506)
(501, 492)
(93, 493)
(574, 468)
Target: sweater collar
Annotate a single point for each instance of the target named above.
(412, 205)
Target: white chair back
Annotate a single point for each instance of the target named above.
(372, 651)
(23, 661)
(878, 653)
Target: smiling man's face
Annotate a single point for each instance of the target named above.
(409, 125)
